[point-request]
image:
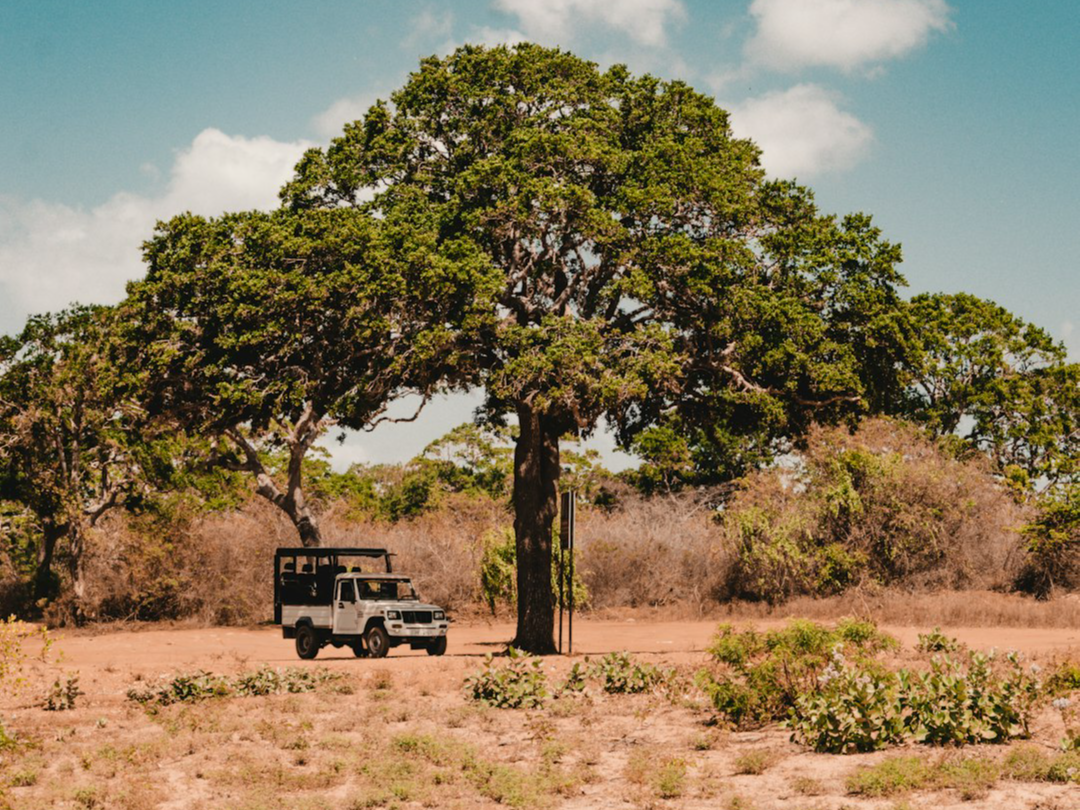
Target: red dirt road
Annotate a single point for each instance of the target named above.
(209, 648)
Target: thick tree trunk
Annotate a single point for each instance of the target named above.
(536, 503)
(77, 570)
(51, 532)
(307, 526)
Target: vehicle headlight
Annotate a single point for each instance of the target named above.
(393, 614)
(440, 614)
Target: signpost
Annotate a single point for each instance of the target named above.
(566, 583)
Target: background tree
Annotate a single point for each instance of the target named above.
(1000, 385)
(644, 266)
(73, 447)
(261, 331)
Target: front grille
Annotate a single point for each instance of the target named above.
(416, 616)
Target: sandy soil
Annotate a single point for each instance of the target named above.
(110, 753)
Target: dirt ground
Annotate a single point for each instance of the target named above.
(400, 732)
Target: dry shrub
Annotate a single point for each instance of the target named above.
(651, 552)
(905, 607)
(440, 549)
(884, 504)
(218, 568)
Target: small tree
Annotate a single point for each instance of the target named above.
(641, 266)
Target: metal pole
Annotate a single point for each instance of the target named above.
(570, 586)
(560, 594)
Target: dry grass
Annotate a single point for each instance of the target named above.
(892, 606)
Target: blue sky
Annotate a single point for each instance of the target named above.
(954, 123)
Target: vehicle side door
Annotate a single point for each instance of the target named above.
(345, 608)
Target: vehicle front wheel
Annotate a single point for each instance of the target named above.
(437, 647)
(359, 650)
(307, 643)
(378, 642)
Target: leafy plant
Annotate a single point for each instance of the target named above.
(498, 572)
(201, 685)
(761, 676)
(13, 633)
(62, 696)
(958, 704)
(855, 709)
(936, 641)
(517, 684)
(619, 673)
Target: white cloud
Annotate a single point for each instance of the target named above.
(841, 33)
(427, 26)
(644, 21)
(331, 121)
(802, 132)
(53, 254)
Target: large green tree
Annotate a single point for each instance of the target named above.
(260, 331)
(645, 269)
(73, 447)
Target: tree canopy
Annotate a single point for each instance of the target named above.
(263, 330)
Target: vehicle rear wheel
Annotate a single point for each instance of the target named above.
(307, 643)
(378, 642)
(437, 647)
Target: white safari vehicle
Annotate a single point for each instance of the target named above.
(334, 596)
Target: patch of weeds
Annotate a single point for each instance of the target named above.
(737, 802)
(8, 740)
(25, 778)
(638, 766)
(381, 680)
(520, 683)
(973, 777)
(807, 786)
(890, 777)
(854, 708)
(1065, 678)
(201, 685)
(87, 798)
(670, 778)
(703, 742)
(962, 700)
(755, 762)
(62, 695)
(1027, 763)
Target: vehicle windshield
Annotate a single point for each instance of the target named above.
(386, 589)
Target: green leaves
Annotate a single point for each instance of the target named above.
(639, 261)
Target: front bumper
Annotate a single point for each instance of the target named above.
(413, 631)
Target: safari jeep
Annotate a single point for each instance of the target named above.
(338, 596)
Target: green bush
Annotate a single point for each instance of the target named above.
(855, 709)
(935, 641)
(618, 673)
(958, 704)
(62, 695)
(498, 572)
(201, 685)
(761, 675)
(520, 683)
